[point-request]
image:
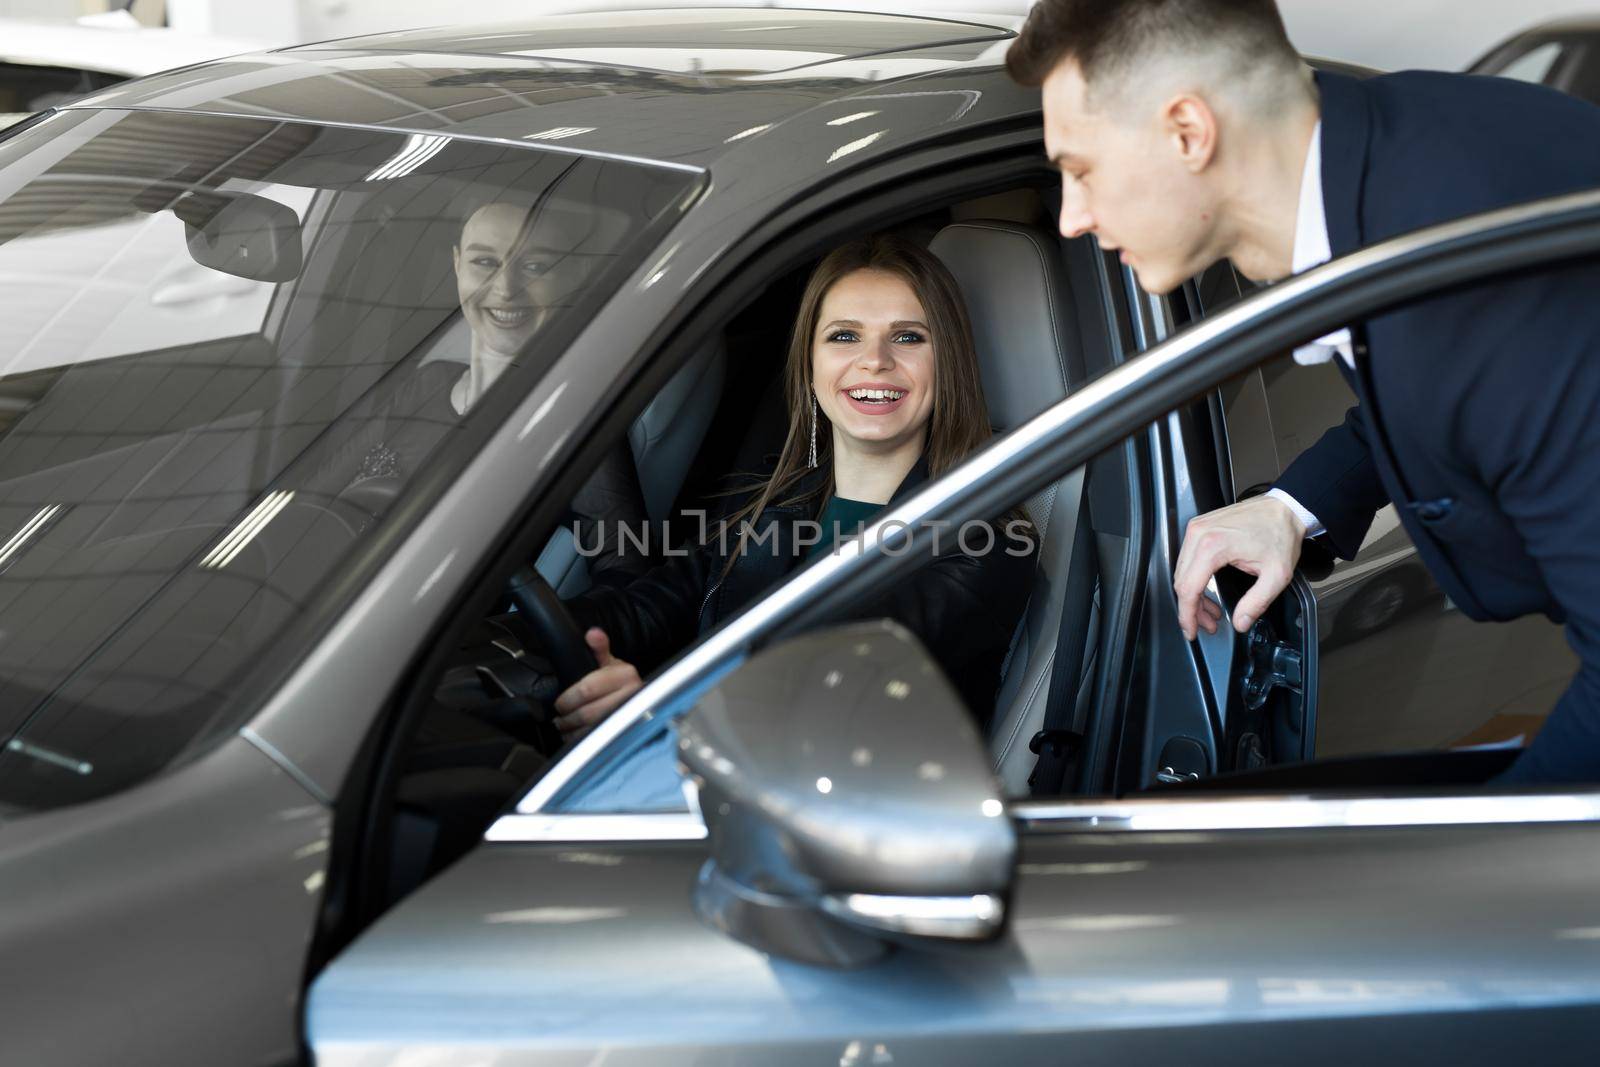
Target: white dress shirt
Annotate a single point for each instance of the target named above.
(1311, 249)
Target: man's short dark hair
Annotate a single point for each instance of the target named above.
(1098, 34)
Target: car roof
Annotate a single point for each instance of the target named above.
(599, 22)
(721, 42)
(129, 52)
(1576, 24)
(779, 96)
(688, 86)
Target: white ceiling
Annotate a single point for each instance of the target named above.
(1390, 34)
(1395, 34)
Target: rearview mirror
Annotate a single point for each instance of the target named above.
(242, 234)
(848, 799)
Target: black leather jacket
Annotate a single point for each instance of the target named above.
(963, 608)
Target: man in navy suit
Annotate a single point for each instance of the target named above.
(1189, 131)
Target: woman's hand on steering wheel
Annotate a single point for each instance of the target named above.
(600, 692)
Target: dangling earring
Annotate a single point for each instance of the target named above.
(813, 453)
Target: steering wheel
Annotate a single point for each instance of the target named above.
(559, 636)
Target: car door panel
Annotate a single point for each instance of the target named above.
(1244, 931)
(1208, 930)
(564, 953)
(1213, 947)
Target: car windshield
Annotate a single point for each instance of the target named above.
(230, 346)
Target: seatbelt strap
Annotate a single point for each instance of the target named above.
(1062, 734)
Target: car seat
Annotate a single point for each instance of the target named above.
(1028, 352)
(664, 439)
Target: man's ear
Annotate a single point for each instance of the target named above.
(455, 258)
(1191, 127)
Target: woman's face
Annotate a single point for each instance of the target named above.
(510, 278)
(872, 361)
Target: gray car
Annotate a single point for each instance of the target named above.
(273, 791)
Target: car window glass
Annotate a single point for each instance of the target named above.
(149, 293)
(1533, 65)
(27, 87)
(228, 348)
(639, 771)
(1252, 451)
(1579, 72)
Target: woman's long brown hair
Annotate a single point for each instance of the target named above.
(960, 421)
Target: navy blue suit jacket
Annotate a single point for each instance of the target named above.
(1478, 410)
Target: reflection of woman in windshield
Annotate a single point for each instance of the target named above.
(515, 267)
(499, 280)
(884, 393)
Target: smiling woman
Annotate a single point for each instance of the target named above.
(884, 393)
(881, 314)
(873, 381)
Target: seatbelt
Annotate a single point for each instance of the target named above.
(1058, 742)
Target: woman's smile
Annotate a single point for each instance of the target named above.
(875, 398)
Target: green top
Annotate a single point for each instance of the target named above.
(842, 518)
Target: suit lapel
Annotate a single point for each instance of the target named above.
(1346, 140)
(1346, 133)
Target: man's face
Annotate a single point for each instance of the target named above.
(1125, 179)
(512, 276)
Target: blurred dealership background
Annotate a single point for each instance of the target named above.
(1446, 34)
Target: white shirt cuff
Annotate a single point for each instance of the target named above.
(1313, 525)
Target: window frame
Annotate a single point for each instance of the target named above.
(1551, 73)
(1115, 407)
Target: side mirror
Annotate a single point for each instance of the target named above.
(242, 234)
(848, 799)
